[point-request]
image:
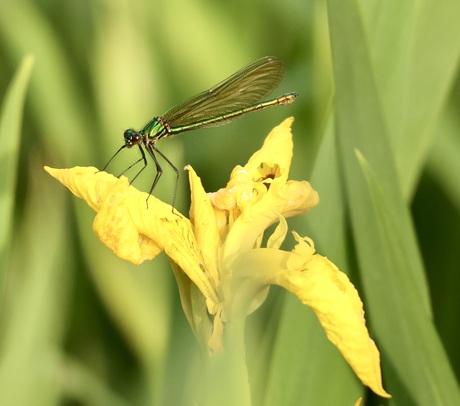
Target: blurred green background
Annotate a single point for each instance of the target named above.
(78, 326)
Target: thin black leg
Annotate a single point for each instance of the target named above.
(111, 159)
(151, 150)
(142, 158)
(175, 170)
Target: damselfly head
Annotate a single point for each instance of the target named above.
(132, 138)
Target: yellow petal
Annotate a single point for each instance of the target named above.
(205, 228)
(144, 230)
(270, 166)
(275, 153)
(246, 229)
(116, 229)
(320, 285)
(81, 182)
(278, 236)
(259, 193)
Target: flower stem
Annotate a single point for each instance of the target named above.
(228, 382)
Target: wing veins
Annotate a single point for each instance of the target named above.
(243, 89)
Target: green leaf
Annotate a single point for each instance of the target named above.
(414, 67)
(35, 299)
(414, 363)
(414, 330)
(443, 162)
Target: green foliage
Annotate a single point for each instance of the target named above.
(376, 132)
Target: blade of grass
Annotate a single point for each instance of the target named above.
(37, 298)
(61, 111)
(10, 135)
(83, 386)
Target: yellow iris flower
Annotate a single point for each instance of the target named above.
(218, 259)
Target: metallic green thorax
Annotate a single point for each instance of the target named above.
(156, 129)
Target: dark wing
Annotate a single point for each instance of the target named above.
(243, 89)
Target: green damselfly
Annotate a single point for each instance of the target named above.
(234, 97)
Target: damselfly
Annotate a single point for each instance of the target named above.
(234, 97)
